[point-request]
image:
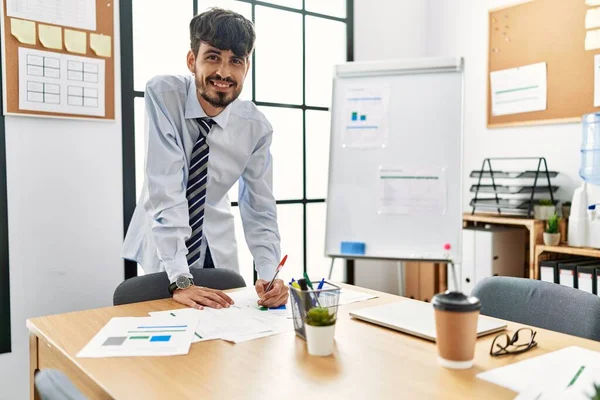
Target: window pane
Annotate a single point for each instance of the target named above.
(336, 8)
(287, 151)
(317, 264)
(244, 9)
(161, 38)
(278, 56)
(244, 256)
(317, 153)
(287, 3)
(290, 219)
(325, 47)
(140, 143)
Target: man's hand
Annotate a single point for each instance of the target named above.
(275, 297)
(199, 297)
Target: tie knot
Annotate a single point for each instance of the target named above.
(205, 125)
(209, 121)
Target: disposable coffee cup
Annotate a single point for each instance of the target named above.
(456, 318)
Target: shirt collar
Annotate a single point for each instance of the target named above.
(194, 110)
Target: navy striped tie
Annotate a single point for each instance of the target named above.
(196, 189)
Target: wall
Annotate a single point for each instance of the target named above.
(460, 27)
(409, 28)
(65, 223)
(385, 29)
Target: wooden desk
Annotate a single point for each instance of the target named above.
(534, 226)
(369, 363)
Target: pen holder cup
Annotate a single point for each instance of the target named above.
(302, 301)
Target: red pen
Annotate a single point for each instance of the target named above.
(283, 260)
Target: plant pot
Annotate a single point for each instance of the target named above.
(319, 339)
(551, 239)
(566, 211)
(543, 212)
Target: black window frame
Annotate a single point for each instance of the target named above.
(129, 94)
(5, 327)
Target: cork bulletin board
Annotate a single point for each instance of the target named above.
(58, 58)
(551, 32)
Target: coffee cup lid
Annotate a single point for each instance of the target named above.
(455, 301)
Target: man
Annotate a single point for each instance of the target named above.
(201, 140)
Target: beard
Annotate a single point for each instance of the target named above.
(217, 99)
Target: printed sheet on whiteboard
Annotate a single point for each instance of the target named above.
(366, 116)
(416, 190)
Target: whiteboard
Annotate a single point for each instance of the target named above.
(395, 166)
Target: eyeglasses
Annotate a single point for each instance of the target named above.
(522, 340)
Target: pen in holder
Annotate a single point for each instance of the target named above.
(303, 300)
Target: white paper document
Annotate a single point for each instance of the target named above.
(519, 90)
(239, 323)
(365, 121)
(74, 13)
(146, 336)
(247, 299)
(56, 82)
(413, 190)
(564, 374)
(348, 296)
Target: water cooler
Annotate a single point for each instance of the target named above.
(584, 221)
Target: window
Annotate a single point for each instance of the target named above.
(298, 43)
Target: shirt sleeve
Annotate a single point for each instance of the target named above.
(258, 209)
(166, 202)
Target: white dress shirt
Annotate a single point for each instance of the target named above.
(238, 150)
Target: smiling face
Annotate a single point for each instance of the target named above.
(219, 76)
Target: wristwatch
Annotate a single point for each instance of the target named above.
(182, 282)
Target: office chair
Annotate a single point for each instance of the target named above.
(540, 304)
(54, 385)
(156, 286)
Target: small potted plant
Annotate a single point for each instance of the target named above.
(552, 235)
(544, 209)
(319, 328)
(566, 209)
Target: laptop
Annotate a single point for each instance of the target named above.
(416, 318)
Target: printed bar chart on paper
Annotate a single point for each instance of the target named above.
(366, 116)
(242, 322)
(413, 191)
(519, 90)
(146, 336)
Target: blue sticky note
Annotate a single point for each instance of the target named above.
(281, 307)
(164, 338)
(357, 248)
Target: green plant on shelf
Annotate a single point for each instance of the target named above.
(319, 316)
(545, 202)
(552, 226)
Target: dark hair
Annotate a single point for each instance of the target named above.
(223, 29)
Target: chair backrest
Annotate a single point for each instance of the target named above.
(541, 304)
(156, 286)
(54, 385)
